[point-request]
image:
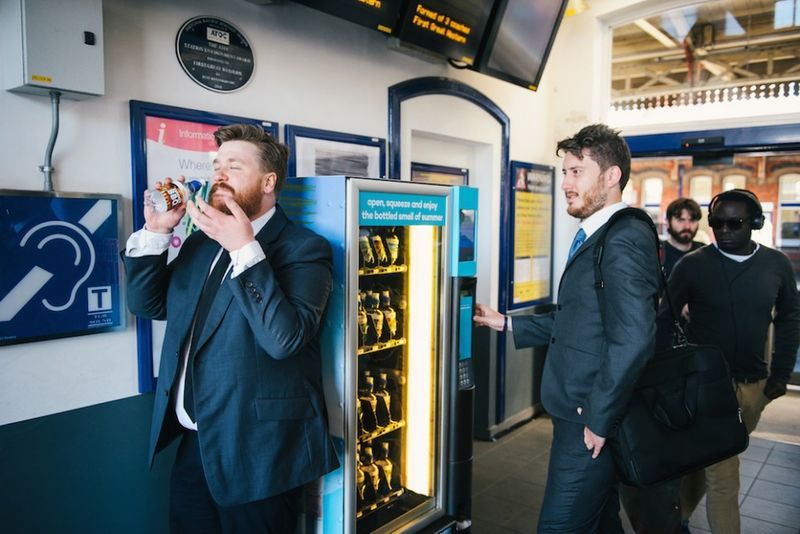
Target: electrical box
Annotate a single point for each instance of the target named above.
(52, 45)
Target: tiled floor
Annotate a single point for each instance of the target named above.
(509, 476)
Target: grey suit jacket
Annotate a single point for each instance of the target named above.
(590, 370)
(261, 417)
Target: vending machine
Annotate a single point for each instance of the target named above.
(393, 351)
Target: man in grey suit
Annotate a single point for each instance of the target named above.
(595, 355)
(240, 374)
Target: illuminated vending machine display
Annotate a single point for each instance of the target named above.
(385, 338)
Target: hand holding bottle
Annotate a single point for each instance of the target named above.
(162, 222)
(231, 231)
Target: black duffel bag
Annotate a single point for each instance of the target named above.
(683, 414)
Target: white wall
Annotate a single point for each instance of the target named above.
(311, 69)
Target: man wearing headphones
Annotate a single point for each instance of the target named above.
(735, 289)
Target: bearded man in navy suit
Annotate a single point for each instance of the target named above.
(594, 355)
(240, 375)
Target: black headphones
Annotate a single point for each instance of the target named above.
(757, 213)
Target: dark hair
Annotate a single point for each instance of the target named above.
(274, 155)
(604, 145)
(677, 206)
(754, 208)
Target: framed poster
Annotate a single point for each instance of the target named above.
(531, 249)
(315, 152)
(168, 141)
(59, 268)
(438, 174)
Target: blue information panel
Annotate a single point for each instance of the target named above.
(59, 270)
(400, 209)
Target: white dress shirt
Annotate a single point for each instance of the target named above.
(146, 243)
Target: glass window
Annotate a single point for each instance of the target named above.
(789, 213)
(629, 195)
(734, 181)
(790, 188)
(711, 60)
(653, 187)
(700, 189)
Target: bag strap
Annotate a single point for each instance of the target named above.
(599, 284)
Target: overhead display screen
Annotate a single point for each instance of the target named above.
(450, 28)
(518, 50)
(379, 15)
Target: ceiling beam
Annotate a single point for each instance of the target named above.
(718, 47)
(655, 33)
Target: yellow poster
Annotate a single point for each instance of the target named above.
(533, 211)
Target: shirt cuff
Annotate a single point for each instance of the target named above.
(146, 243)
(245, 257)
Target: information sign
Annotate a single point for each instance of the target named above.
(400, 209)
(59, 265)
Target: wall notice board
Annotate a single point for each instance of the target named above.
(531, 249)
(59, 265)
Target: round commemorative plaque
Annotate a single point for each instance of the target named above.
(215, 54)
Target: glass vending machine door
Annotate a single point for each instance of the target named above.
(398, 375)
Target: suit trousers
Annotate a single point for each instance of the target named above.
(581, 494)
(721, 481)
(193, 510)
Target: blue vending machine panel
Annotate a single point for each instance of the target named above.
(319, 204)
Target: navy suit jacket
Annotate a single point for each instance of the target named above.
(260, 412)
(590, 370)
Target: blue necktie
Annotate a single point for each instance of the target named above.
(580, 237)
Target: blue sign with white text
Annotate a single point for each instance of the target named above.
(400, 209)
(59, 270)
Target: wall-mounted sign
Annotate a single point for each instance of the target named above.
(531, 251)
(215, 54)
(59, 265)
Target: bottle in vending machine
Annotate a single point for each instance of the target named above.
(383, 412)
(380, 249)
(363, 321)
(385, 464)
(365, 247)
(389, 315)
(392, 246)
(369, 404)
(372, 474)
(375, 334)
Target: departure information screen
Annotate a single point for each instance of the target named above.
(451, 28)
